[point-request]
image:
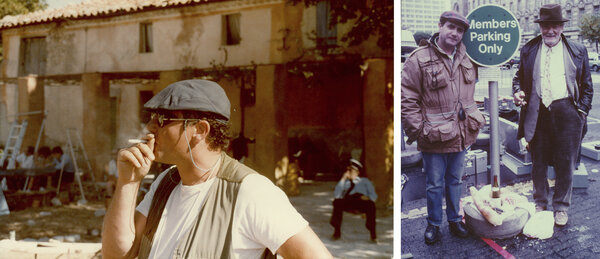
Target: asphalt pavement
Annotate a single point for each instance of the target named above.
(578, 239)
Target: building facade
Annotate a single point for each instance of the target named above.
(527, 11)
(422, 15)
(292, 83)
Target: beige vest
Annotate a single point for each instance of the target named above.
(209, 237)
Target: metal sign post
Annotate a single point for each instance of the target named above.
(491, 40)
(494, 134)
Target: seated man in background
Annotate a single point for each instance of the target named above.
(25, 160)
(43, 158)
(111, 174)
(62, 162)
(354, 193)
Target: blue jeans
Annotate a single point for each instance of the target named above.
(440, 167)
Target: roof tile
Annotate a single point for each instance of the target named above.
(91, 8)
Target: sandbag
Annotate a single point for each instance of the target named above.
(501, 218)
(483, 204)
(496, 210)
(541, 225)
(479, 226)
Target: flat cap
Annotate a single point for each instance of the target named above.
(192, 95)
(455, 17)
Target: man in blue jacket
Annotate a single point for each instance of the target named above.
(353, 193)
(554, 88)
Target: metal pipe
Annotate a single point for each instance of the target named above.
(24, 114)
(39, 138)
(494, 131)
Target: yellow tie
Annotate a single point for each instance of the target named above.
(547, 86)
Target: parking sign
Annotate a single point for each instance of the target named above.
(493, 36)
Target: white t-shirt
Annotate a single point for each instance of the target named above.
(65, 163)
(25, 161)
(263, 217)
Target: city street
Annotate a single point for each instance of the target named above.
(575, 240)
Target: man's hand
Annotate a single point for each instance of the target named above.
(519, 98)
(364, 197)
(345, 176)
(133, 163)
(582, 114)
(123, 225)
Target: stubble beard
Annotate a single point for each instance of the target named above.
(551, 41)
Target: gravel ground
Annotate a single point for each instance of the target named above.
(314, 203)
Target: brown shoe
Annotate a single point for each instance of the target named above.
(560, 218)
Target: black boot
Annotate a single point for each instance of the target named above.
(336, 234)
(373, 236)
(458, 229)
(432, 234)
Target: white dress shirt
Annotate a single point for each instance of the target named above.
(554, 78)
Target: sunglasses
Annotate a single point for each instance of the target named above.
(161, 119)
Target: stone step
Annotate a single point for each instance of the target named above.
(588, 149)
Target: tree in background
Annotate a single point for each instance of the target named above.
(14, 7)
(371, 18)
(590, 28)
(421, 35)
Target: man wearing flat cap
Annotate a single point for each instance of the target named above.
(207, 205)
(439, 112)
(554, 88)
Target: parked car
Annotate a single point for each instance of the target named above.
(594, 61)
(513, 62)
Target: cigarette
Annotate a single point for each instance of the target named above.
(137, 141)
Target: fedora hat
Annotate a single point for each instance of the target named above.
(551, 13)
